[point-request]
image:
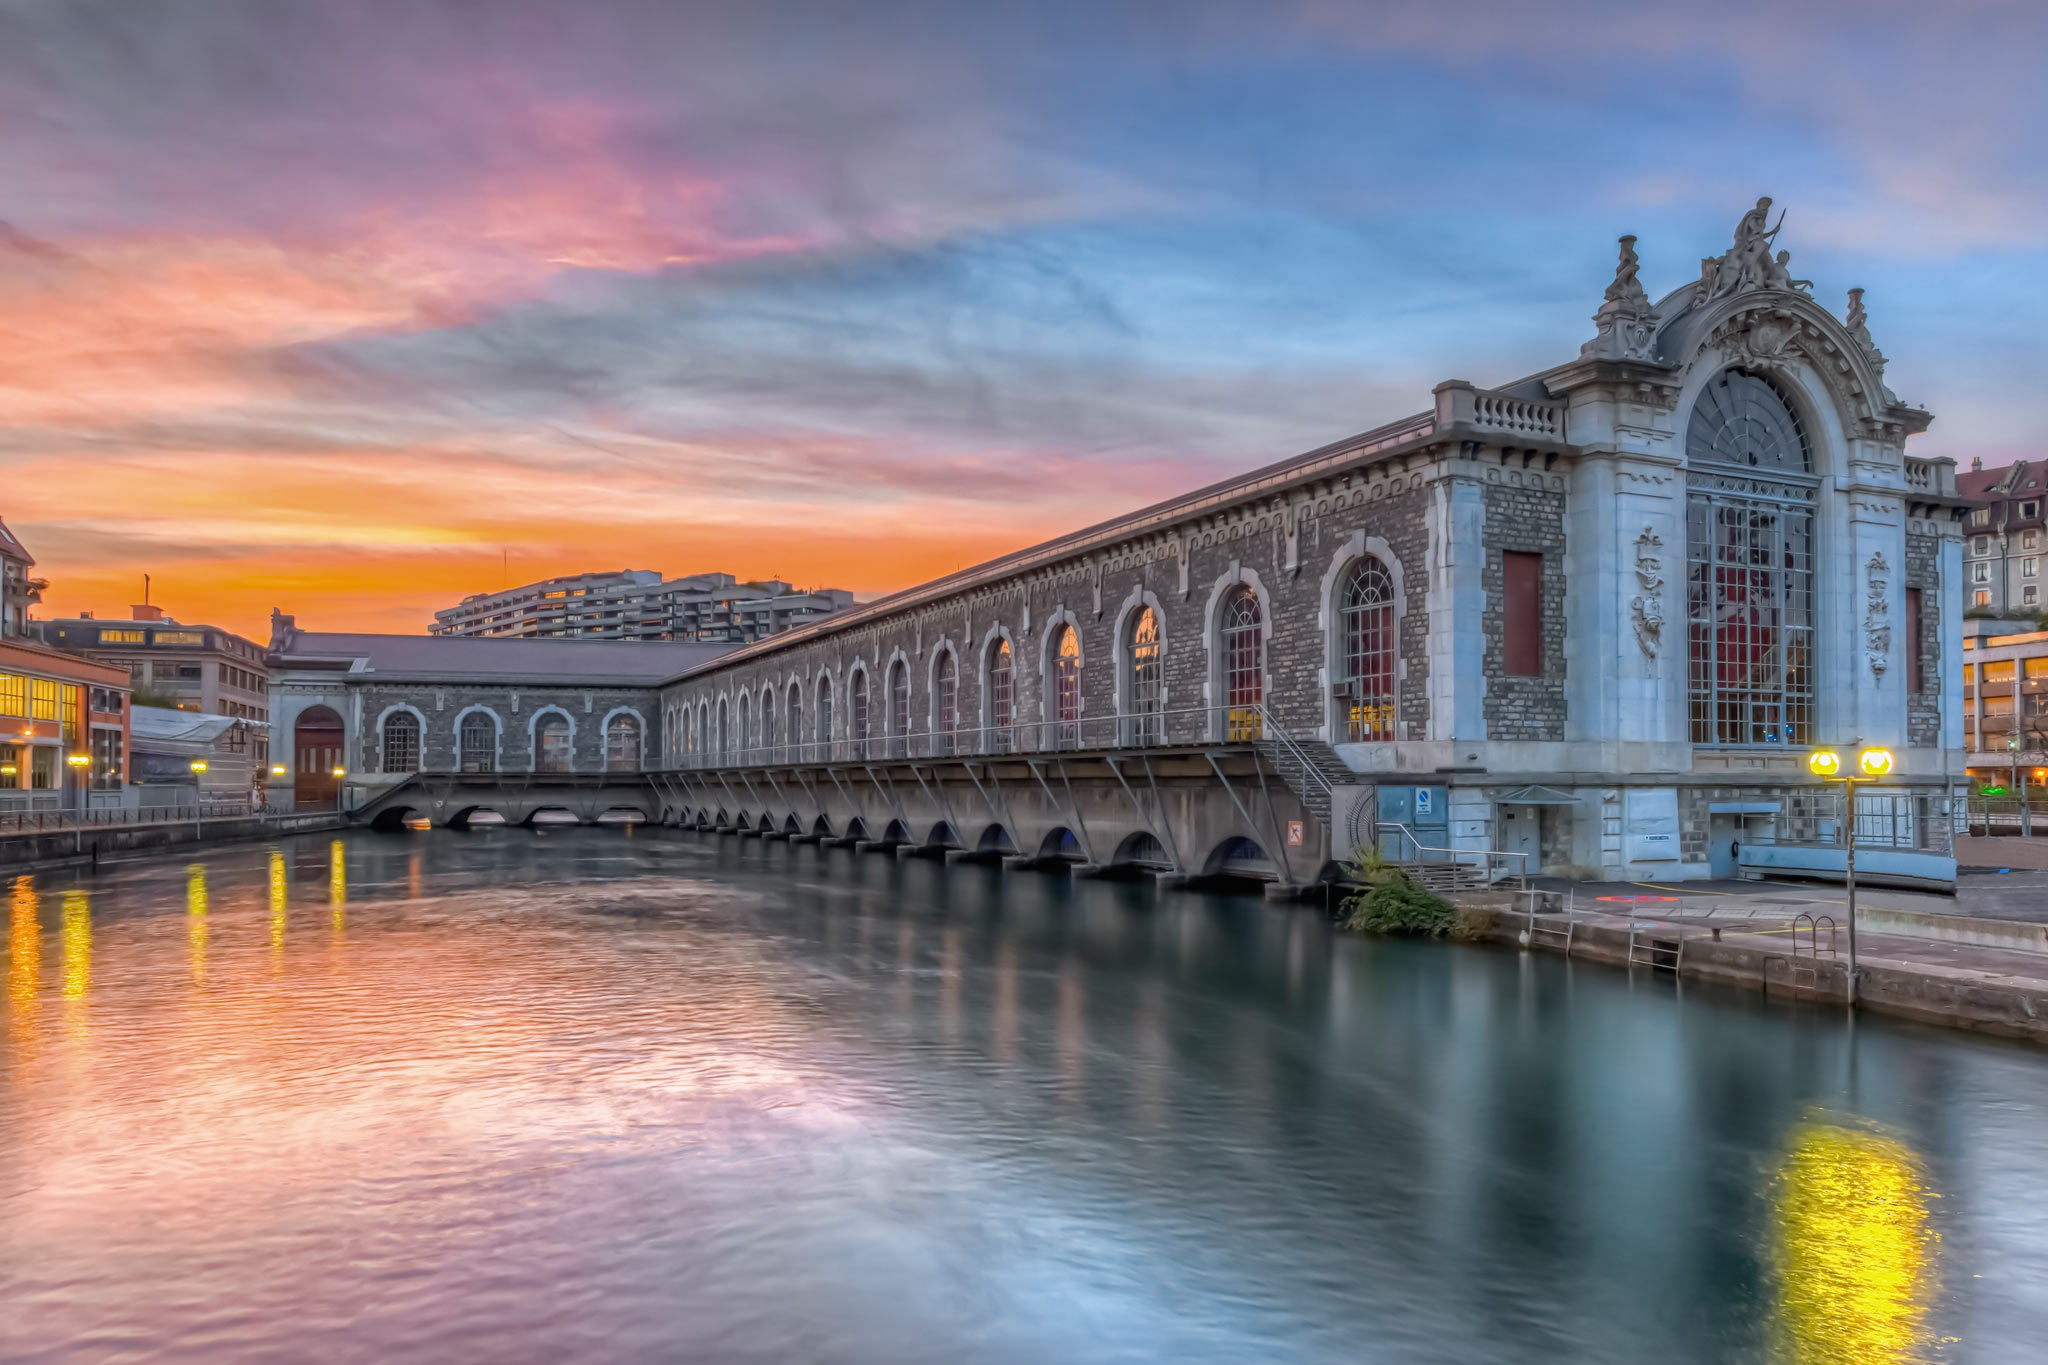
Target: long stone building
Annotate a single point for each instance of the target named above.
(1588, 622)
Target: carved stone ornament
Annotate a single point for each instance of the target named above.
(1749, 264)
(1858, 323)
(1625, 328)
(1877, 617)
(1647, 608)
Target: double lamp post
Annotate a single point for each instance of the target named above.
(1871, 764)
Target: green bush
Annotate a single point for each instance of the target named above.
(1390, 903)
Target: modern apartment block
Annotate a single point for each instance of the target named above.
(639, 604)
(2006, 540)
(185, 667)
(2005, 703)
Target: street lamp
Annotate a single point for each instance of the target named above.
(198, 765)
(1871, 764)
(277, 770)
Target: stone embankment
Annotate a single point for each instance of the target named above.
(33, 848)
(1961, 971)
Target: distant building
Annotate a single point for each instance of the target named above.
(182, 758)
(195, 668)
(638, 604)
(18, 592)
(63, 729)
(2005, 702)
(2005, 539)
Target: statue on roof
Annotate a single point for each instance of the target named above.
(1749, 263)
(1625, 327)
(1858, 323)
(1626, 288)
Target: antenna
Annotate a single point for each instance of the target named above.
(145, 590)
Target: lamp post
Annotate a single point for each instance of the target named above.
(1827, 765)
(78, 763)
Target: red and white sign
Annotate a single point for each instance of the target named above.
(1294, 834)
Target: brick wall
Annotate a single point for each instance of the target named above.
(1923, 707)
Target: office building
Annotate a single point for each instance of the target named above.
(638, 604)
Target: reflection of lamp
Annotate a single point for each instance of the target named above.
(1852, 1246)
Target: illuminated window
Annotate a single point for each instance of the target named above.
(1064, 727)
(1002, 697)
(1366, 618)
(1749, 582)
(13, 694)
(401, 748)
(181, 637)
(1142, 680)
(42, 697)
(121, 637)
(622, 744)
(1242, 634)
(1998, 670)
(1980, 598)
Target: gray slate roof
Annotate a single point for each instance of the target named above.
(457, 658)
(167, 725)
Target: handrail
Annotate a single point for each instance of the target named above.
(1281, 738)
(1461, 856)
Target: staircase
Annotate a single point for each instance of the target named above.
(1310, 768)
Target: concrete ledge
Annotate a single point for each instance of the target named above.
(77, 845)
(2020, 935)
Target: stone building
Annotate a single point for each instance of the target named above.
(1593, 618)
(2004, 544)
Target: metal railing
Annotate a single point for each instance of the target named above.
(1183, 727)
(130, 817)
(1900, 820)
(1493, 865)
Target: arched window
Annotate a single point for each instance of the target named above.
(1002, 697)
(1143, 724)
(768, 735)
(1749, 566)
(824, 718)
(478, 742)
(724, 734)
(1365, 622)
(899, 709)
(401, 742)
(622, 743)
(551, 744)
(945, 703)
(1241, 630)
(857, 712)
(793, 721)
(746, 736)
(703, 731)
(1064, 721)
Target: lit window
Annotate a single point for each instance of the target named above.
(1242, 631)
(120, 637)
(181, 637)
(1366, 687)
(1002, 710)
(1142, 680)
(1982, 598)
(1065, 728)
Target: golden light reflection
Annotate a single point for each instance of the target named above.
(337, 883)
(1855, 1254)
(24, 954)
(77, 935)
(412, 875)
(195, 920)
(279, 897)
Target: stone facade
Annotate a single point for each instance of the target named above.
(1924, 686)
(1530, 519)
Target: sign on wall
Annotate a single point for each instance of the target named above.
(1649, 826)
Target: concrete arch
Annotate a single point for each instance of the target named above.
(896, 833)
(1059, 844)
(791, 825)
(822, 827)
(1241, 857)
(604, 731)
(465, 818)
(419, 717)
(942, 835)
(498, 736)
(1212, 640)
(1329, 621)
(533, 817)
(995, 838)
(1141, 848)
(533, 735)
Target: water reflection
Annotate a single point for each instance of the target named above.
(803, 1104)
(1854, 1249)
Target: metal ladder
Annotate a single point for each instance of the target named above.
(1542, 929)
(1646, 951)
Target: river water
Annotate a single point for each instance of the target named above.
(585, 1094)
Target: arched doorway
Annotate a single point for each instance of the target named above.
(316, 753)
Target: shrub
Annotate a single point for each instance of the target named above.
(1390, 903)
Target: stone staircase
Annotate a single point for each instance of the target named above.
(1309, 767)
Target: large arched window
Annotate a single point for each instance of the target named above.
(857, 712)
(551, 744)
(401, 742)
(793, 722)
(477, 742)
(746, 730)
(724, 734)
(1365, 624)
(1063, 719)
(899, 709)
(1749, 566)
(769, 737)
(945, 702)
(1002, 697)
(1144, 723)
(622, 743)
(704, 736)
(824, 718)
(1241, 631)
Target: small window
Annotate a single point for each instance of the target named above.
(2030, 540)
(1522, 609)
(1980, 573)
(1982, 546)
(2037, 669)
(1998, 670)
(2027, 594)
(2029, 510)
(1981, 517)
(1981, 598)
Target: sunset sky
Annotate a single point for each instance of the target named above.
(353, 307)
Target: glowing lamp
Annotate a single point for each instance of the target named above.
(1875, 762)
(198, 765)
(1824, 763)
(8, 770)
(79, 760)
(341, 772)
(277, 770)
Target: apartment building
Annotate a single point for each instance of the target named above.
(639, 604)
(18, 591)
(185, 667)
(2006, 539)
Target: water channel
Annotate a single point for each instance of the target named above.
(588, 1094)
